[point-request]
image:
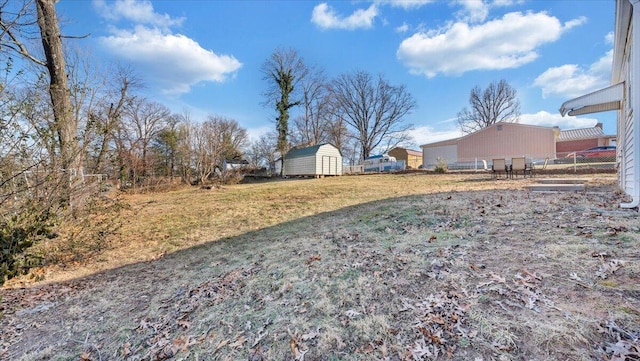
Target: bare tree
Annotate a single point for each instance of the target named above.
(184, 150)
(17, 28)
(105, 115)
(373, 108)
(311, 127)
(262, 151)
(145, 120)
(214, 140)
(497, 103)
(283, 71)
(141, 121)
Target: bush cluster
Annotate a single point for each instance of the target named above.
(18, 232)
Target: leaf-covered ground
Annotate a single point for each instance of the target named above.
(490, 274)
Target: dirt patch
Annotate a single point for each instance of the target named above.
(493, 274)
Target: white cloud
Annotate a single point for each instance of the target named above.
(326, 18)
(402, 28)
(570, 80)
(175, 62)
(609, 38)
(575, 22)
(546, 119)
(509, 42)
(140, 12)
(405, 4)
(473, 10)
(427, 134)
(497, 3)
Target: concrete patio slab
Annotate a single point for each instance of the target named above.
(555, 187)
(562, 180)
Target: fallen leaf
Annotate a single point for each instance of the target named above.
(297, 353)
(313, 258)
(365, 349)
(126, 349)
(609, 268)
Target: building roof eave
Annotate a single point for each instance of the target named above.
(605, 99)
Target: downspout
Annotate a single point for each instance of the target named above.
(634, 100)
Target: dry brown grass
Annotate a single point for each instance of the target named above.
(351, 268)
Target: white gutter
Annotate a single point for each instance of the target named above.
(634, 100)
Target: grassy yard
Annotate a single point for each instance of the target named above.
(397, 267)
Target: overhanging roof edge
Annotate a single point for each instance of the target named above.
(608, 98)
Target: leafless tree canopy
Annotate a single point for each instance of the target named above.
(311, 127)
(373, 108)
(263, 151)
(212, 141)
(497, 103)
(283, 71)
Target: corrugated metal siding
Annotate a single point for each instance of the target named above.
(430, 154)
(506, 140)
(584, 133)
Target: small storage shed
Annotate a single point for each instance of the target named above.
(315, 161)
(412, 158)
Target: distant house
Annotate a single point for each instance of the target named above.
(580, 139)
(622, 96)
(234, 164)
(501, 140)
(412, 158)
(318, 160)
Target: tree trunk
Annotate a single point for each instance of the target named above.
(66, 126)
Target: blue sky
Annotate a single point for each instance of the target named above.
(205, 55)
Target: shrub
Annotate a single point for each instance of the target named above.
(18, 232)
(441, 166)
(232, 176)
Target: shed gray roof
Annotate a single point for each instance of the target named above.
(305, 152)
(584, 133)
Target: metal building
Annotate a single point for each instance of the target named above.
(501, 140)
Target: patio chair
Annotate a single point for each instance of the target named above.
(498, 166)
(518, 165)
